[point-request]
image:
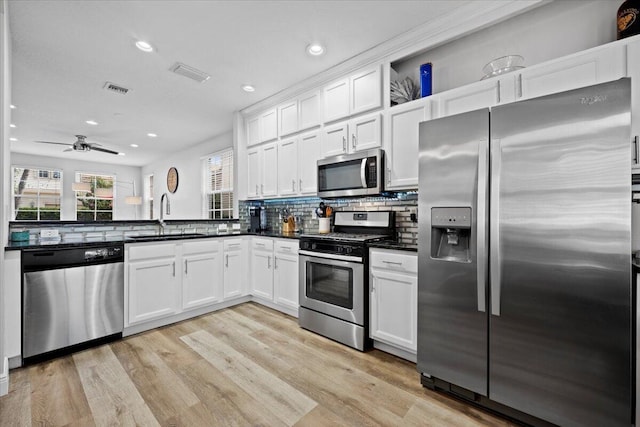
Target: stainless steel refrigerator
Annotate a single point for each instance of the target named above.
(525, 291)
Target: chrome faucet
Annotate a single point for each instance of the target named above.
(164, 195)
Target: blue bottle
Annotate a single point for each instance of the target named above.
(425, 79)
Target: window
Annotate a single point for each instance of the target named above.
(148, 194)
(218, 186)
(96, 203)
(36, 194)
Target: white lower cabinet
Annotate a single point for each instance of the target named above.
(393, 299)
(274, 272)
(152, 282)
(235, 267)
(285, 274)
(262, 268)
(201, 273)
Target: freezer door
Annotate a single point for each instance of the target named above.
(560, 324)
(452, 317)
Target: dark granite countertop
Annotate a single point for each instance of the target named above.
(399, 246)
(99, 241)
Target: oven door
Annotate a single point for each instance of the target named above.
(333, 285)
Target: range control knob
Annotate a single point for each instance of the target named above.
(349, 249)
(340, 249)
(313, 246)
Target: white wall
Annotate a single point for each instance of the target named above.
(5, 119)
(69, 167)
(548, 32)
(186, 202)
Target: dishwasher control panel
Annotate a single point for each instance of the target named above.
(102, 253)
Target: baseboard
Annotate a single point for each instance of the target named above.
(411, 357)
(286, 310)
(15, 362)
(4, 378)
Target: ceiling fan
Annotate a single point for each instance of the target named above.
(81, 145)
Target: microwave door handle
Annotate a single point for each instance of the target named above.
(363, 173)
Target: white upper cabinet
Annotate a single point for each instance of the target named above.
(356, 94)
(288, 167)
(366, 90)
(401, 143)
(288, 119)
(579, 70)
(254, 166)
(358, 134)
(308, 155)
(253, 131)
(486, 93)
(336, 100)
(269, 125)
(269, 171)
(309, 110)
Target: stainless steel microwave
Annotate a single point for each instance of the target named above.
(351, 175)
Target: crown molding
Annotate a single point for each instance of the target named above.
(455, 24)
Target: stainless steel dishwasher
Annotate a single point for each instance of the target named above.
(71, 298)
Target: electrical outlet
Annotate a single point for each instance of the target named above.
(235, 226)
(51, 233)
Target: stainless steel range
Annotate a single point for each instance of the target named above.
(334, 276)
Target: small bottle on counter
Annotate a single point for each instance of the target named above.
(628, 19)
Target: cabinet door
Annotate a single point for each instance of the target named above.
(254, 164)
(366, 90)
(308, 155)
(288, 118)
(262, 274)
(286, 279)
(269, 172)
(154, 289)
(483, 94)
(309, 110)
(288, 167)
(334, 141)
(235, 267)
(336, 100)
(393, 308)
(201, 279)
(633, 71)
(401, 143)
(269, 125)
(253, 131)
(571, 73)
(364, 133)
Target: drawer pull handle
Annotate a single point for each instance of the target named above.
(391, 262)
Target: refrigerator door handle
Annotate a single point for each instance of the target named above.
(481, 224)
(494, 242)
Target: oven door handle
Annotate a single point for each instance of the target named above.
(331, 256)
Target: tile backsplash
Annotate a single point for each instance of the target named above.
(404, 204)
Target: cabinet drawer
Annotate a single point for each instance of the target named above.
(233, 245)
(287, 246)
(261, 244)
(201, 246)
(394, 260)
(151, 250)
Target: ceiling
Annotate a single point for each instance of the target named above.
(63, 52)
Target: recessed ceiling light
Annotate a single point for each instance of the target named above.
(12, 125)
(151, 135)
(248, 88)
(13, 139)
(134, 145)
(91, 122)
(13, 107)
(315, 49)
(144, 46)
(120, 154)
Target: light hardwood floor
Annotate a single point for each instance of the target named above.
(247, 365)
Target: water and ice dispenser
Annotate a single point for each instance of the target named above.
(451, 233)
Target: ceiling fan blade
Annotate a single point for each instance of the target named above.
(104, 150)
(51, 142)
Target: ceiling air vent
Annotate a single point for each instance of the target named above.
(190, 72)
(116, 88)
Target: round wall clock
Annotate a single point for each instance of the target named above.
(172, 180)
